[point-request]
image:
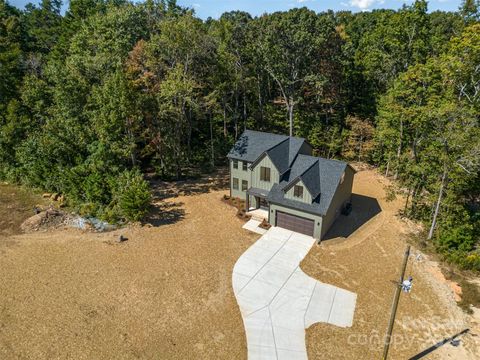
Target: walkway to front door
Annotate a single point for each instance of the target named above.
(278, 301)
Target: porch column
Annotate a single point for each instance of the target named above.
(247, 202)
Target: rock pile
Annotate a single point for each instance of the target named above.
(43, 220)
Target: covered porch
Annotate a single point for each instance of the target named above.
(256, 203)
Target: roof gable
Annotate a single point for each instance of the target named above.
(297, 181)
(261, 157)
(320, 176)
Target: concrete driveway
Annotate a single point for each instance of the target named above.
(278, 301)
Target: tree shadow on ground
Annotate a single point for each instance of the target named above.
(165, 211)
(162, 190)
(364, 208)
(437, 345)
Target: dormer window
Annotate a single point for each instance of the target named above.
(265, 173)
(298, 191)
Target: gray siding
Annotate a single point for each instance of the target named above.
(240, 175)
(274, 176)
(341, 197)
(307, 198)
(317, 231)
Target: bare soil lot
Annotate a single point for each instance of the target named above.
(363, 254)
(163, 294)
(166, 293)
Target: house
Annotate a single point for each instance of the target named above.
(278, 175)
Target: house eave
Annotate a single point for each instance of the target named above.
(311, 212)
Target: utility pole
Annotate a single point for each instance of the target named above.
(388, 336)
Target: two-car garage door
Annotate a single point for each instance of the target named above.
(295, 223)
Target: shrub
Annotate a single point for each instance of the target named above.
(96, 189)
(131, 195)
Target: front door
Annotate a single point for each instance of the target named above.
(263, 203)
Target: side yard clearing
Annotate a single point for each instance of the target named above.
(165, 293)
(367, 262)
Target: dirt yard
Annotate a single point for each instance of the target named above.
(166, 293)
(363, 253)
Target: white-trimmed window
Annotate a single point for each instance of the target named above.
(298, 191)
(265, 173)
(235, 183)
(235, 164)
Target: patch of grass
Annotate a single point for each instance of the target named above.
(470, 296)
(16, 205)
(391, 193)
(470, 292)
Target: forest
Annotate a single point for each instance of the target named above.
(93, 99)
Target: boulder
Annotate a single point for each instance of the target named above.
(50, 218)
(33, 223)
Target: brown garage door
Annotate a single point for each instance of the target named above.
(295, 223)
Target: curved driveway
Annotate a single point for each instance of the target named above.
(278, 301)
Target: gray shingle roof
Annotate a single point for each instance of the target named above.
(258, 192)
(279, 155)
(295, 145)
(310, 179)
(251, 144)
(300, 165)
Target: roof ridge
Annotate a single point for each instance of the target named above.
(325, 159)
(274, 146)
(271, 133)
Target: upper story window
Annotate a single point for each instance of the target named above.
(265, 173)
(298, 191)
(235, 164)
(245, 166)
